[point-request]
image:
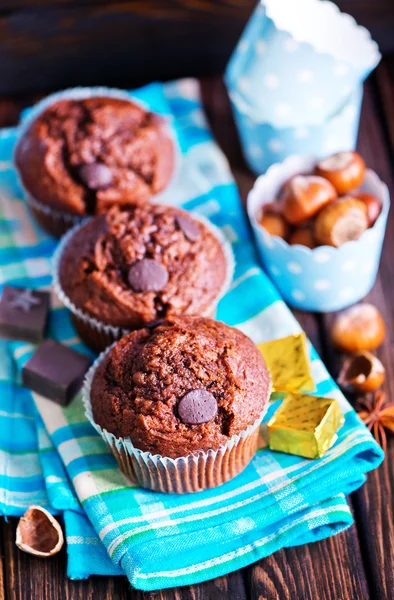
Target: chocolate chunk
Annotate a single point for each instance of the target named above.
(190, 229)
(197, 406)
(23, 314)
(55, 371)
(147, 275)
(96, 176)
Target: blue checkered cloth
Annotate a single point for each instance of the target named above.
(53, 457)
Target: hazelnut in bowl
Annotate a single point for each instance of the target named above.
(319, 226)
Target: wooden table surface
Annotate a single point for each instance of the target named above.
(357, 564)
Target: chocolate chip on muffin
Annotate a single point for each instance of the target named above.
(96, 176)
(189, 228)
(197, 406)
(81, 156)
(147, 275)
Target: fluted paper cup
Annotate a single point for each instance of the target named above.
(99, 335)
(325, 278)
(297, 62)
(264, 145)
(191, 473)
(55, 221)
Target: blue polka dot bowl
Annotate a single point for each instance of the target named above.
(325, 278)
(263, 144)
(297, 62)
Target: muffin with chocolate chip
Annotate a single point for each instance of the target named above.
(123, 270)
(79, 156)
(180, 403)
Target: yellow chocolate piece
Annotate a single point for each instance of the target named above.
(288, 362)
(305, 425)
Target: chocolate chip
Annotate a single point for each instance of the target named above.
(190, 229)
(154, 324)
(96, 176)
(197, 406)
(147, 275)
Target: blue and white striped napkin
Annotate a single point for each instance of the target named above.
(53, 457)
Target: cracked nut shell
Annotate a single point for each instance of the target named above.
(304, 195)
(274, 224)
(39, 533)
(342, 221)
(358, 328)
(362, 372)
(345, 170)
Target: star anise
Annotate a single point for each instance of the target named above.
(378, 416)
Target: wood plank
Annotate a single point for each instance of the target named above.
(374, 501)
(385, 84)
(327, 570)
(45, 44)
(378, 16)
(28, 577)
(15, 5)
(230, 587)
(293, 571)
(2, 565)
(117, 43)
(331, 568)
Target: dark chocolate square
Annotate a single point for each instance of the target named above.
(55, 371)
(23, 314)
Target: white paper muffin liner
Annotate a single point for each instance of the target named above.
(296, 63)
(99, 335)
(53, 220)
(185, 474)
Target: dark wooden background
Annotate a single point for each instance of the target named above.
(355, 565)
(56, 43)
(47, 44)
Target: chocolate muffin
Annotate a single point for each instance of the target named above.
(131, 267)
(81, 156)
(186, 386)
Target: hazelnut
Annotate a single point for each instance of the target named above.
(340, 222)
(305, 195)
(345, 170)
(303, 236)
(39, 533)
(373, 206)
(360, 327)
(274, 224)
(273, 208)
(362, 372)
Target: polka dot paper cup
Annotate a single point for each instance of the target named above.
(263, 144)
(297, 62)
(324, 279)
